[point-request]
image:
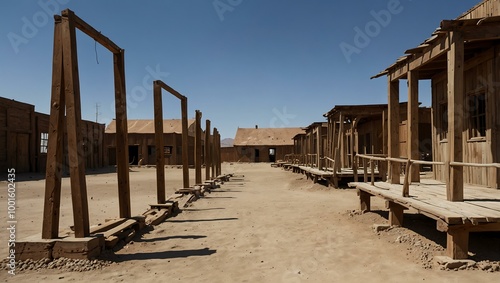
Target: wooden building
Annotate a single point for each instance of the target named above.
(461, 59)
(309, 147)
(361, 129)
(24, 134)
(264, 144)
(141, 141)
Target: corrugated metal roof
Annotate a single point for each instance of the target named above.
(265, 136)
(148, 127)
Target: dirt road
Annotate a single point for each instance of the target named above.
(268, 226)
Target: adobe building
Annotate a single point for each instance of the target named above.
(264, 144)
(24, 134)
(141, 140)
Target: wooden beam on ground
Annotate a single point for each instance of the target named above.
(53, 173)
(456, 99)
(197, 147)
(208, 157)
(73, 120)
(160, 159)
(412, 140)
(393, 129)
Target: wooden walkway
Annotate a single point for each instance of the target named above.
(479, 212)
(329, 175)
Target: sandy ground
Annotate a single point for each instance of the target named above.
(268, 226)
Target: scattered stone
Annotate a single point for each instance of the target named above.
(381, 227)
(452, 264)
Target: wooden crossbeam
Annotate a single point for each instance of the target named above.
(90, 31)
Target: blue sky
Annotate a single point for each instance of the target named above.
(272, 63)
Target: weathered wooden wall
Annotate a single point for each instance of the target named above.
(486, 8)
(17, 136)
(228, 154)
(481, 74)
(20, 139)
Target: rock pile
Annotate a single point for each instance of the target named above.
(63, 264)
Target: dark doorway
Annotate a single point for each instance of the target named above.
(257, 155)
(111, 155)
(133, 154)
(272, 155)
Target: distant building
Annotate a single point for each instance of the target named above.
(141, 140)
(264, 144)
(24, 136)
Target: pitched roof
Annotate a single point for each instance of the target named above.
(265, 136)
(173, 126)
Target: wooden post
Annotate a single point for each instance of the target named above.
(212, 153)
(160, 159)
(341, 141)
(457, 243)
(208, 156)
(364, 201)
(393, 129)
(412, 141)
(365, 171)
(122, 136)
(372, 172)
(383, 169)
(52, 202)
(351, 143)
(73, 120)
(456, 99)
(319, 147)
(355, 169)
(406, 184)
(197, 147)
(185, 144)
(396, 213)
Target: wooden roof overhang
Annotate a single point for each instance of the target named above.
(430, 57)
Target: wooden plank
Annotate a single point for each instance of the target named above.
(107, 225)
(122, 155)
(197, 147)
(457, 244)
(364, 201)
(53, 174)
(393, 129)
(160, 159)
(123, 226)
(456, 100)
(73, 121)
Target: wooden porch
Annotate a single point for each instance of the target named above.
(479, 212)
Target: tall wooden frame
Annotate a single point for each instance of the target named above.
(65, 98)
(160, 161)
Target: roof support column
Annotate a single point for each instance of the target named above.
(393, 130)
(412, 132)
(456, 99)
